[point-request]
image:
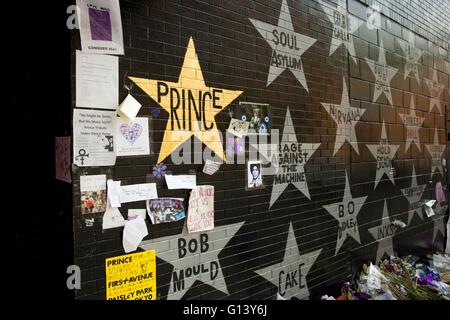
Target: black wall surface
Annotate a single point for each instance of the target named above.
(233, 55)
(37, 216)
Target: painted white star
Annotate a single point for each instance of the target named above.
(373, 14)
(436, 90)
(412, 124)
(412, 56)
(384, 153)
(188, 266)
(383, 75)
(438, 223)
(436, 151)
(287, 46)
(346, 213)
(291, 168)
(290, 275)
(344, 25)
(383, 234)
(346, 117)
(413, 194)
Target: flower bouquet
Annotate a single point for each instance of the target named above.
(405, 284)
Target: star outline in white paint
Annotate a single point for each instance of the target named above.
(171, 256)
(417, 193)
(436, 90)
(385, 244)
(357, 205)
(352, 24)
(412, 130)
(292, 263)
(285, 25)
(349, 130)
(290, 137)
(393, 148)
(436, 156)
(382, 83)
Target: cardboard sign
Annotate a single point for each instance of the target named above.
(201, 209)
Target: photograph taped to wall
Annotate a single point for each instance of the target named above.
(257, 114)
(93, 193)
(254, 175)
(165, 210)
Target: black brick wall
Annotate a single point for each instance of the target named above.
(234, 56)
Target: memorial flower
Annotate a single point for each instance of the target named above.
(159, 170)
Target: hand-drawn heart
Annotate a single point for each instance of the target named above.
(131, 133)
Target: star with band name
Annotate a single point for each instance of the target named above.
(413, 194)
(346, 118)
(174, 96)
(290, 275)
(383, 75)
(198, 260)
(344, 25)
(439, 222)
(384, 153)
(412, 56)
(384, 234)
(345, 211)
(290, 138)
(294, 46)
(412, 124)
(436, 90)
(436, 151)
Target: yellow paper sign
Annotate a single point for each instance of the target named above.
(131, 276)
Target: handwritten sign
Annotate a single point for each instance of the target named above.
(211, 167)
(238, 127)
(138, 192)
(131, 276)
(181, 181)
(201, 209)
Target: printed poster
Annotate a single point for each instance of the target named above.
(100, 26)
(93, 133)
(201, 209)
(93, 193)
(165, 210)
(132, 138)
(62, 161)
(138, 192)
(97, 81)
(131, 276)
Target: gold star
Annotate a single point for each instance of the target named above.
(192, 106)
